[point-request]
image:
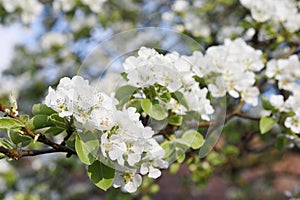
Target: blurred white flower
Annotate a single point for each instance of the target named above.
(30, 8)
(53, 39)
(180, 5)
(279, 11)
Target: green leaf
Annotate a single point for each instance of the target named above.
(136, 103)
(87, 146)
(101, 175)
(266, 104)
(42, 109)
(180, 155)
(146, 105)
(18, 139)
(266, 124)
(155, 111)
(6, 143)
(165, 97)
(178, 96)
(215, 158)
(38, 122)
(174, 168)
(280, 143)
(58, 121)
(193, 138)
(54, 130)
(124, 94)
(124, 75)
(10, 123)
(24, 118)
(175, 120)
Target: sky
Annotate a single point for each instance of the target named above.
(9, 37)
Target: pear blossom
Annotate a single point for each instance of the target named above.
(293, 123)
(128, 181)
(153, 161)
(279, 11)
(172, 71)
(290, 106)
(223, 66)
(124, 140)
(60, 102)
(285, 71)
(278, 102)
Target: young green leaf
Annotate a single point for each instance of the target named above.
(24, 118)
(18, 139)
(136, 103)
(174, 168)
(178, 96)
(10, 123)
(266, 104)
(101, 175)
(146, 105)
(87, 146)
(6, 143)
(54, 130)
(175, 120)
(266, 124)
(155, 111)
(57, 120)
(165, 97)
(193, 138)
(38, 122)
(124, 94)
(42, 109)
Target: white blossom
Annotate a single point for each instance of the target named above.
(223, 66)
(286, 71)
(293, 123)
(128, 181)
(278, 102)
(278, 11)
(172, 71)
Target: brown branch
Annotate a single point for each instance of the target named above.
(17, 154)
(41, 138)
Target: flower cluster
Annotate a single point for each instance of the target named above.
(286, 72)
(173, 72)
(191, 21)
(280, 11)
(291, 107)
(230, 68)
(30, 8)
(124, 139)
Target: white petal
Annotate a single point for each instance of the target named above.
(154, 173)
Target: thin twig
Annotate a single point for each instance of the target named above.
(41, 138)
(16, 154)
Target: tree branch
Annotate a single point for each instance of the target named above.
(41, 138)
(17, 154)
